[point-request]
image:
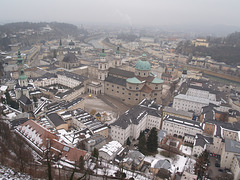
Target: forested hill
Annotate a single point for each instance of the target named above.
(28, 33)
(23, 26)
(224, 49)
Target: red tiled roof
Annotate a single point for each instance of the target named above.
(146, 89)
(45, 133)
(70, 153)
(147, 79)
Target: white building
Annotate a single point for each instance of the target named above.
(191, 103)
(230, 157)
(145, 115)
(201, 143)
(201, 93)
(180, 127)
(110, 150)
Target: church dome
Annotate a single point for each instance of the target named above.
(143, 65)
(70, 58)
(71, 43)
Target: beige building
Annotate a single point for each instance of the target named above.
(132, 88)
(230, 157)
(177, 113)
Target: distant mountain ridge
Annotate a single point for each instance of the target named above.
(17, 33)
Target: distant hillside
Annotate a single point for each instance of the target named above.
(226, 49)
(28, 33)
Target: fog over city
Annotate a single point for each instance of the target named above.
(172, 13)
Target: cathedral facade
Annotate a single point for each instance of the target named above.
(132, 88)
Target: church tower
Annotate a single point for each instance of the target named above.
(60, 53)
(118, 60)
(21, 87)
(102, 66)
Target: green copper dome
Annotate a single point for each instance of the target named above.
(102, 53)
(157, 81)
(133, 80)
(19, 59)
(22, 76)
(143, 65)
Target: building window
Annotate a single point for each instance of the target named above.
(130, 87)
(136, 94)
(112, 85)
(143, 95)
(117, 91)
(156, 87)
(107, 84)
(118, 87)
(129, 94)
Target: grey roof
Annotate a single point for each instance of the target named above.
(25, 100)
(231, 126)
(120, 72)
(208, 111)
(19, 121)
(46, 76)
(135, 114)
(56, 119)
(136, 156)
(72, 75)
(115, 80)
(97, 138)
(161, 134)
(165, 164)
(72, 103)
(203, 140)
(232, 146)
(178, 111)
(182, 121)
(70, 58)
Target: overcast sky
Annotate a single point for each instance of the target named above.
(132, 12)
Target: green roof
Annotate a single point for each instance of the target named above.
(157, 80)
(134, 80)
(19, 59)
(118, 50)
(143, 65)
(102, 53)
(22, 77)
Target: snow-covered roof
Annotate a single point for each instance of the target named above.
(111, 148)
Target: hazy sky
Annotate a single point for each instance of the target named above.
(132, 12)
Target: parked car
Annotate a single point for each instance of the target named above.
(220, 170)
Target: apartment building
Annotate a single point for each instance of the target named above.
(180, 127)
(145, 115)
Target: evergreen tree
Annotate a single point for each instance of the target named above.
(95, 153)
(81, 163)
(140, 135)
(152, 141)
(201, 164)
(142, 145)
(128, 141)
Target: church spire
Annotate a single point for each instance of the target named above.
(19, 59)
(118, 50)
(60, 42)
